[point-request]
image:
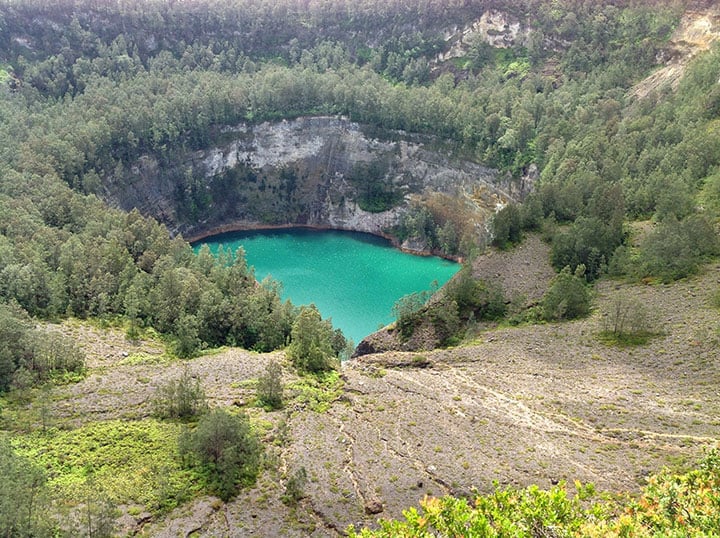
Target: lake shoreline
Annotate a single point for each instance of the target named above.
(257, 227)
(354, 278)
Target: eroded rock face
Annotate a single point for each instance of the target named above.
(496, 28)
(699, 28)
(315, 171)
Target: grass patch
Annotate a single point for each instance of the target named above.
(141, 358)
(133, 462)
(610, 338)
(317, 391)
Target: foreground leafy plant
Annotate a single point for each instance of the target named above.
(670, 505)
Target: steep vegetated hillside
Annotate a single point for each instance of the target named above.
(589, 130)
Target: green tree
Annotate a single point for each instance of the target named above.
(226, 448)
(23, 496)
(568, 296)
(14, 330)
(187, 341)
(311, 344)
(507, 227)
(675, 249)
(182, 398)
(270, 386)
(475, 297)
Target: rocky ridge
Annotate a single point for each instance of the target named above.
(699, 28)
(310, 171)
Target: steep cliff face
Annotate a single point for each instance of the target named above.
(315, 171)
(497, 28)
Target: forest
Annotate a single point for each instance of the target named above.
(627, 187)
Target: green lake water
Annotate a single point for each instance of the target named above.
(352, 278)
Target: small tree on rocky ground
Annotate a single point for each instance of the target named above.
(311, 342)
(627, 321)
(270, 386)
(182, 398)
(226, 450)
(295, 487)
(568, 296)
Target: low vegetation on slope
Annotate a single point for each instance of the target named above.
(670, 505)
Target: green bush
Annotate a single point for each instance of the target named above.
(627, 322)
(181, 398)
(675, 249)
(507, 227)
(270, 387)
(568, 296)
(29, 355)
(475, 297)
(226, 450)
(23, 495)
(311, 345)
(669, 506)
(295, 487)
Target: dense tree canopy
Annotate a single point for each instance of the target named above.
(89, 87)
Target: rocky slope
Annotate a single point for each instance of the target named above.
(520, 405)
(699, 28)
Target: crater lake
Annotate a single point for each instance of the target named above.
(353, 278)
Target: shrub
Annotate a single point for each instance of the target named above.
(670, 505)
(226, 450)
(408, 311)
(475, 297)
(568, 296)
(627, 322)
(181, 398)
(311, 344)
(295, 487)
(29, 355)
(675, 249)
(507, 227)
(186, 331)
(270, 387)
(22, 495)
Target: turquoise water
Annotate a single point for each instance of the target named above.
(352, 278)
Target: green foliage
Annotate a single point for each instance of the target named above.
(670, 505)
(507, 227)
(182, 398)
(137, 462)
(23, 495)
(437, 225)
(589, 242)
(310, 347)
(474, 297)
(675, 249)
(317, 391)
(29, 355)
(96, 516)
(270, 386)
(461, 302)
(226, 450)
(507, 512)
(295, 487)
(627, 322)
(187, 341)
(90, 98)
(568, 296)
(408, 310)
